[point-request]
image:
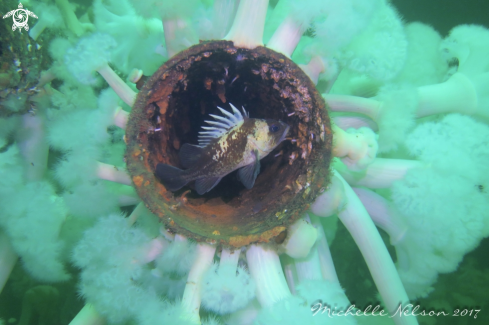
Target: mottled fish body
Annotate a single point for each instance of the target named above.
(227, 144)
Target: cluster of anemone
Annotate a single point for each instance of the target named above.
(410, 141)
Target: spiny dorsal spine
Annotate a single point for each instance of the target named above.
(221, 125)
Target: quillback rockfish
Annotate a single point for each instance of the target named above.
(232, 142)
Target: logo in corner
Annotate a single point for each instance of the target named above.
(20, 17)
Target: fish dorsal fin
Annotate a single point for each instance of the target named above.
(221, 125)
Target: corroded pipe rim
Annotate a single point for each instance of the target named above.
(182, 93)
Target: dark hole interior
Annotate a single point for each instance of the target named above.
(243, 79)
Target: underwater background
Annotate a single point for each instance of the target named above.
(80, 134)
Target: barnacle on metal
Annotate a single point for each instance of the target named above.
(172, 106)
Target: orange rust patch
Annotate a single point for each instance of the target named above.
(160, 93)
(136, 153)
(208, 83)
(138, 180)
(146, 183)
(239, 241)
(212, 207)
(163, 105)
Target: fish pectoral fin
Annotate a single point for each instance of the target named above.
(248, 173)
(190, 155)
(204, 185)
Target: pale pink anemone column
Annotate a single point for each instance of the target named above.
(34, 148)
(249, 23)
(459, 94)
(193, 289)
(381, 173)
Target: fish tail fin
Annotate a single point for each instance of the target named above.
(172, 177)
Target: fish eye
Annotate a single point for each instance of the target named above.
(274, 128)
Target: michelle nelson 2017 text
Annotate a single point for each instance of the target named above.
(401, 311)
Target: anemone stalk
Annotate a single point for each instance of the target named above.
(249, 23)
(120, 87)
(366, 236)
(88, 316)
(192, 294)
(381, 173)
(383, 214)
(266, 270)
(326, 264)
(113, 174)
(286, 37)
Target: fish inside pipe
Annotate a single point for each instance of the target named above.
(233, 141)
